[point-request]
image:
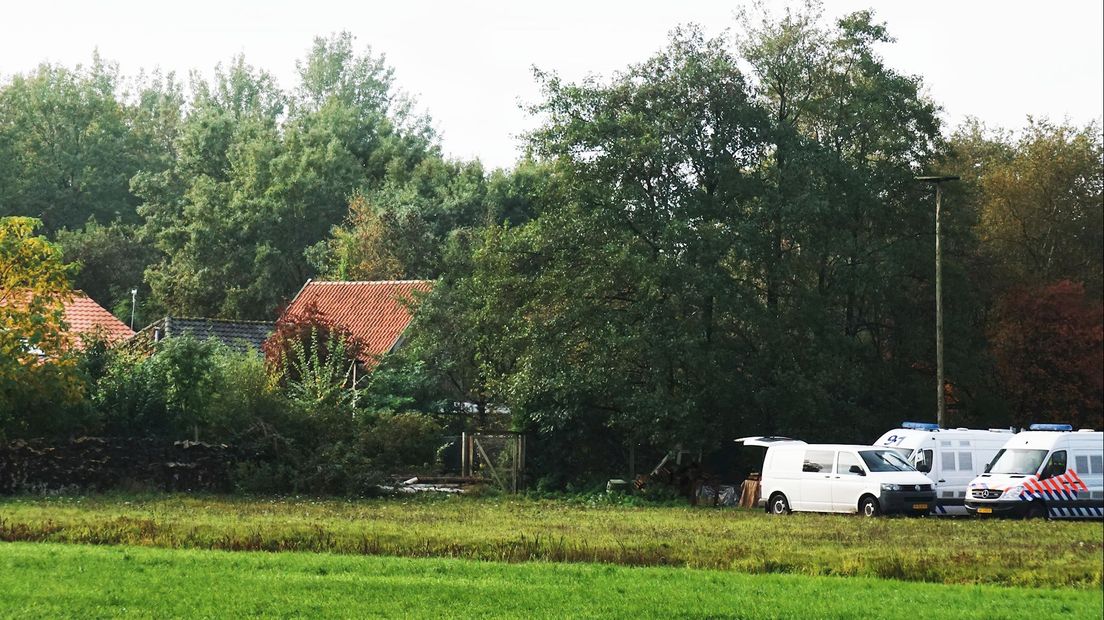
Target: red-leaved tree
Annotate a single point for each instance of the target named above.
(1049, 348)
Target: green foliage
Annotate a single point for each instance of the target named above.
(112, 260)
(318, 373)
(37, 368)
(717, 257)
(71, 144)
(163, 395)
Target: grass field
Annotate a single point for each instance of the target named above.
(1037, 554)
(75, 581)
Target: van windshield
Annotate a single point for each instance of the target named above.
(1024, 462)
(884, 460)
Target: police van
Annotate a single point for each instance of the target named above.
(951, 457)
(1049, 470)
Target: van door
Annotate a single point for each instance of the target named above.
(816, 480)
(848, 485)
(957, 468)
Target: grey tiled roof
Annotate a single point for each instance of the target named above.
(238, 335)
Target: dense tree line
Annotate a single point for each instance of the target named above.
(725, 238)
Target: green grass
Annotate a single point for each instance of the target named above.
(72, 581)
(955, 551)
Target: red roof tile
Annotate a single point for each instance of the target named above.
(375, 313)
(85, 317)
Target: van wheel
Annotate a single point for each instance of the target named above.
(778, 505)
(869, 506)
(1037, 510)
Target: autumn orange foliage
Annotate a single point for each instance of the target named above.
(1049, 348)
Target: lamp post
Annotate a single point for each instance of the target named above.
(133, 306)
(941, 400)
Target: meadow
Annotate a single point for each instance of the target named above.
(80, 581)
(1031, 554)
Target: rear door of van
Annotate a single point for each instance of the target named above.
(956, 468)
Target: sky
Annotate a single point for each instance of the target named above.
(469, 63)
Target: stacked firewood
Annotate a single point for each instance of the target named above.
(89, 464)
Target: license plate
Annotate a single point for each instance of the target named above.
(919, 506)
(985, 511)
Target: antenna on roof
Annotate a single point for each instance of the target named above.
(133, 306)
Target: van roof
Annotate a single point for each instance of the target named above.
(1046, 440)
(826, 446)
(911, 438)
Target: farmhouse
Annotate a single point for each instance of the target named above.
(375, 313)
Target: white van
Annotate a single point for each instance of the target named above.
(841, 478)
(951, 457)
(1049, 470)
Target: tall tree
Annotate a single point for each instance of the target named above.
(262, 175)
(70, 146)
(1042, 205)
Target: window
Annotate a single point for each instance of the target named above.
(1017, 461)
(818, 461)
(1056, 466)
(965, 461)
(924, 460)
(1082, 461)
(884, 460)
(948, 460)
(1097, 461)
(847, 460)
(946, 444)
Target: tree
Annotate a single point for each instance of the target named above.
(71, 144)
(1049, 348)
(36, 365)
(400, 230)
(262, 175)
(111, 259)
(626, 323)
(1042, 205)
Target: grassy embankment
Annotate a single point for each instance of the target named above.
(72, 581)
(1036, 554)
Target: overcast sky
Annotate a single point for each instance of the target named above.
(469, 63)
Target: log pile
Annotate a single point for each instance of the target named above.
(90, 464)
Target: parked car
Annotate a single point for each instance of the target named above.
(1047, 471)
(841, 478)
(951, 457)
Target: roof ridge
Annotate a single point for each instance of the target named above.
(367, 282)
(209, 319)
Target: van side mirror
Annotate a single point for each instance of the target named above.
(855, 469)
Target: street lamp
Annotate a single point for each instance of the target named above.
(133, 306)
(941, 400)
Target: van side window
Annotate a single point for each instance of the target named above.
(948, 459)
(818, 461)
(1082, 461)
(1056, 466)
(1097, 462)
(846, 462)
(924, 464)
(965, 461)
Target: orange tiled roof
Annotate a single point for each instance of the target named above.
(375, 313)
(85, 316)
